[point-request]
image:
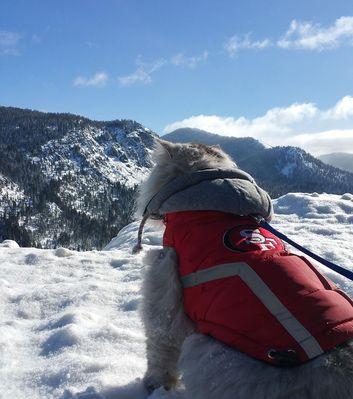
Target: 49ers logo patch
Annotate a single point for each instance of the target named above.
(250, 238)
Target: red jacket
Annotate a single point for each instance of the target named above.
(243, 288)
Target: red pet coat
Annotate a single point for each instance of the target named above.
(243, 288)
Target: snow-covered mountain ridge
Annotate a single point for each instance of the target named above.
(278, 170)
(70, 327)
(67, 180)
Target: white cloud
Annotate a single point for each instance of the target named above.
(324, 142)
(300, 35)
(301, 124)
(342, 110)
(99, 79)
(309, 36)
(9, 42)
(144, 71)
(142, 74)
(234, 44)
(181, 60)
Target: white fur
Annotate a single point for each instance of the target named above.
(163, 316)
(210, 369)
(172, 160)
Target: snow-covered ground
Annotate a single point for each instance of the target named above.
(69, 325)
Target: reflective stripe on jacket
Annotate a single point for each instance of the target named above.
(243, 288)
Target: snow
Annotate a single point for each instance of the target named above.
(70, 328)
(80, 149)
(69, 321)
(10, 193)
(9, 244)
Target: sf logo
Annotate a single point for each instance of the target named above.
(255, 237)
(246, 238)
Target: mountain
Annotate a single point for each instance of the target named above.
(237, 148)
(67, 180)
(279, 170)
(340, 160)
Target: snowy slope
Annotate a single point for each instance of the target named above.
(66, 180)
(70, 325)
(10, 194)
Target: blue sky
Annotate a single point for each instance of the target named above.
(279, 71)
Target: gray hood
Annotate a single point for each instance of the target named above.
(225, 190)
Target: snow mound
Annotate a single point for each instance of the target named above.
(347, 196)
(9, 244)
(69, 326)
(321, 222)
(333, 208)
(63, 252)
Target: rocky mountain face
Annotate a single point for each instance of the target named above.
(279, 170)
(340, 160)
(66, 180)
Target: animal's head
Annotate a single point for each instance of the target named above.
(175, 159)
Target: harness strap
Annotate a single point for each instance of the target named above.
(338, 269)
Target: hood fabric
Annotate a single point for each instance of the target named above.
(224, 190)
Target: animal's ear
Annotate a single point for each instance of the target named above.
(163, 151)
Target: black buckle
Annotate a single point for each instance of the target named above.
(286, 358)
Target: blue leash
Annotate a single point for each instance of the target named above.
(341, 270)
